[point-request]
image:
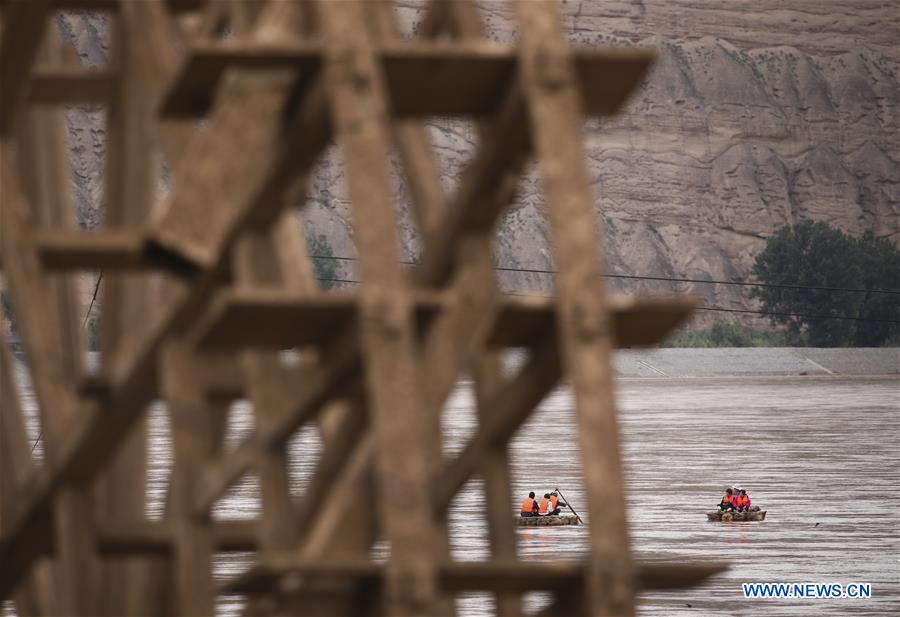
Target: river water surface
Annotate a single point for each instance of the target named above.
(820, 454)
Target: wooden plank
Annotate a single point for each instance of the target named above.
(23, 32)
(194, 89)
(607, 77)
(510, 576)
(278, 318)
(101, 250)
(130, 537)
(471, 79)
(636, 321)
(471, 576)
(244, 191)
(273, 318)
(260, 577)
(447, 78)
(67, 86)
(423, 79)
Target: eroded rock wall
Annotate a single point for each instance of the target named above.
(755, 115)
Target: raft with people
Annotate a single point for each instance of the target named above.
(546, 512)
(735, 506)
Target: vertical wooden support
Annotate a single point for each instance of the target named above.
(586, 338)
(359, 115)
(24, 24)
(496, 476)
(46, 178)
(59, 405)
(257, 266)
(460, 332)
(126, 304)
(194, 438)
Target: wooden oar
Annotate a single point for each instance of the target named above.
(569, 505)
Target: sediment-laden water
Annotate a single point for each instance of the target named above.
(820, 454)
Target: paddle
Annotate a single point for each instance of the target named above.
(569, 505)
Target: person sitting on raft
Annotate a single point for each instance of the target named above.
(555, 504)
(742, 501)
(544, 505)
(529, 506)
(727, 502)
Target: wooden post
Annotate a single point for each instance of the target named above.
(359, 114)
(586, 338)
(195, 429)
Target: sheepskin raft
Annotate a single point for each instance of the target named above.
(724, 517)
(546, 521)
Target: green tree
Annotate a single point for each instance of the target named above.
(880, 262)
(815, 254)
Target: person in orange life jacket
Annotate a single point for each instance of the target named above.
(742, 501)
(555, 504)
(529, 506)
(727, 502)
(544, 505)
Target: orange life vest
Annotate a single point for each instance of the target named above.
(553, 501)
(528, 505)
(728, 499)
(542, 505)
(742, 501)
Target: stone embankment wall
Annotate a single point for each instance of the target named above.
(747, 362)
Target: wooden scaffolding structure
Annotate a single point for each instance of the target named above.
(204, 287)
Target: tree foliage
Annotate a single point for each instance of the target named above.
(814, 254)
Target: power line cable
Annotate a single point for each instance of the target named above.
(706, 308)
(666, 278)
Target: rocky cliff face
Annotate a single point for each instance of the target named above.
(754, 116)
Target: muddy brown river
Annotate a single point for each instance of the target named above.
(820, 454)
